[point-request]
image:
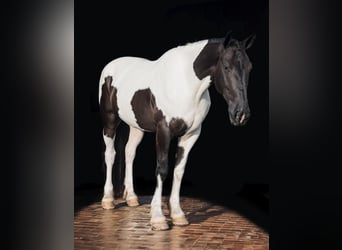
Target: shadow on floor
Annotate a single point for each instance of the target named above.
(203, 214)
(251, 201)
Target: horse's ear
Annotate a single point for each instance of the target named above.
(248, 42)
(227, 38)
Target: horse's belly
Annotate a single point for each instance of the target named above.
(142, 116)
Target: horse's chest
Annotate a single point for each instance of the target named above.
(202, 110)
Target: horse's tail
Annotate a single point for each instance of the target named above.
(121, 138)
(101, 82)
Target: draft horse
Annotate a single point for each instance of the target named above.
(169, 96)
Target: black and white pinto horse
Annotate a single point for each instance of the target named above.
(169, 96)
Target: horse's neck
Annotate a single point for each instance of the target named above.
(203, 84)
(189, 54)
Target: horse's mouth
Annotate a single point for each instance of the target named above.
(242, 118)
(238, 120)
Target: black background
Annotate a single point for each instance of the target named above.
(225, 157)
(304, 123)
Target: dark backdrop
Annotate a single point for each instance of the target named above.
(305, 112)
(225, 157)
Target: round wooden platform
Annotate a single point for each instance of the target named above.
(211, 227)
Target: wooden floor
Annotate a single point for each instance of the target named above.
(211, 227)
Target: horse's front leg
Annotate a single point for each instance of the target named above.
(163, 137)
(185, 144)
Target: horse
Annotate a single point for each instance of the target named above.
(169, 96)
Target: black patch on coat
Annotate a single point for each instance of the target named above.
(179, 155)
(109, 108)
(205, 62)
(163, 139)
(178, 127)
(145, 110)
(150, 118)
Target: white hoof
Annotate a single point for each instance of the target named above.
(159, 225)
(133, 202)
(107, 204)
(180, 221)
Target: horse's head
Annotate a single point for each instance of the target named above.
(226, 61)
(230, 77)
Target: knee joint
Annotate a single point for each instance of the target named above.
(162, 169)
(178, 173)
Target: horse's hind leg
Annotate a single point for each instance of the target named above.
(108, 197)
(111, 120)
(135, 137)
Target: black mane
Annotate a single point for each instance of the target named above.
(232, 42)
(216, 40)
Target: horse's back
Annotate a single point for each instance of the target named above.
(124, 65)
(125, 70)
(129, 74)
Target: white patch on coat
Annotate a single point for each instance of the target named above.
(172, 80)
(109, 161)
(135, 137)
